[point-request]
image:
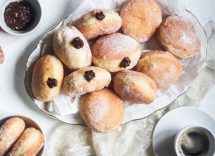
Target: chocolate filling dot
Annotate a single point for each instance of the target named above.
(100, 16)
(125, 62)
(89, 75)
(51, 82)
(77, 43)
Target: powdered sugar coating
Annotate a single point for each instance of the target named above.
(75, 83)
(9, 133)
(102, 110)
(110, 50)
(178, 36)
(162, 67)
(134, 87)
(141, 19)
(92, 27)
(98, 110)
(72, 57)
(115, 45)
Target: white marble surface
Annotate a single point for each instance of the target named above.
(14, 99)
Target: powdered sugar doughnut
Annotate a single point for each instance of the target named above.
(85, 80)
(134, 87)
(116, 52)
(71, 48)
(102, 110)
(162, 67)
(140, 19)
(177, 35)
(99, 22)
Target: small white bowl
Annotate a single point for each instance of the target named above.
(38, 14)
(204, 131)
(29, 123)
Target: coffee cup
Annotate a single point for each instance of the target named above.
(194, 141)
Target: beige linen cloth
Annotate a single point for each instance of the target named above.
(134, 138)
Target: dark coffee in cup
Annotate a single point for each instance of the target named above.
(194, 141)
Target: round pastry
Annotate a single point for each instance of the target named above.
(177, 35)
(141, 19)
(9, 133)
(162, 67)
(116, 52)
(29, 143)
(71, 48)
(134, 87)
(1, 55)
(85, 80)
(102, 111)
(99, 22)
(47, 78)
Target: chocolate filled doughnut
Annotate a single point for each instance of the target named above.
(47, 78)
(99, 22)
(71, 48)
(85, 80)
(116, 52)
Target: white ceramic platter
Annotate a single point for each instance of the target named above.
(191, 68)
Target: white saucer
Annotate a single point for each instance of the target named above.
(174, 121)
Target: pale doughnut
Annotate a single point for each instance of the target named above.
(71, 47)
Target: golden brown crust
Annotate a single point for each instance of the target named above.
(134, 87)
(109, 51)
(76, 83)
(46, 68)
(177, 35)
(74, 58)
(140, 19)
(91, 27)
(29, 143)
(9, 133)
(162, 67)
(102, 110)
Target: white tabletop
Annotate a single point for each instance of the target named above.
(13, 97)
